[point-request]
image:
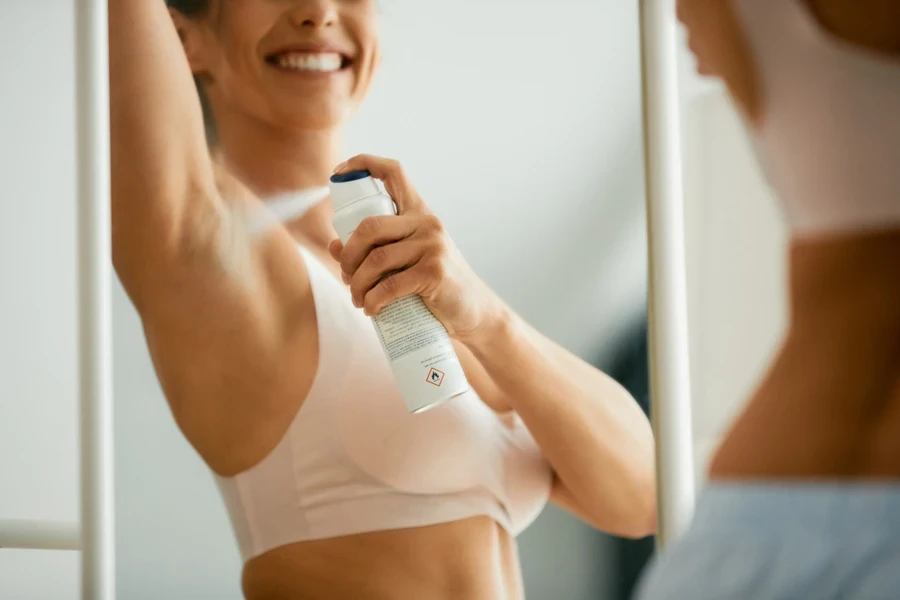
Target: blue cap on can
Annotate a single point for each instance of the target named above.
(351, 176)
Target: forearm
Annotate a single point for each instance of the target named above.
(589, 428)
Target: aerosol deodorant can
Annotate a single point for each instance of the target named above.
(424, 363)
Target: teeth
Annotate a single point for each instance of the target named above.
(307, 61)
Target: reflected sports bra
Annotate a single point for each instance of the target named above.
(355, 461)
(830, 136)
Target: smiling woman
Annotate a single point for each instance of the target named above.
(240, 51)
(276, 378)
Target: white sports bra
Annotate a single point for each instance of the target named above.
(830, 137)
(355, 461)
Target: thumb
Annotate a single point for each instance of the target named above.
(394, 177)
(335, 248)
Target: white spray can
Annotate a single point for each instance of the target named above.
(424, 363)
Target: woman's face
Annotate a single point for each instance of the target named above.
(297, 65)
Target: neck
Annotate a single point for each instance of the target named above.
(272, 162)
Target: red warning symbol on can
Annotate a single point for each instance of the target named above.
(435, 377)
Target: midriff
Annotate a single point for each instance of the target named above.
(829, 408)
(472, 559)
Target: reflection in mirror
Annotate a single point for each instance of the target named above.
(795, 242)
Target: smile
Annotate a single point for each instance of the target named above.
(317, 62)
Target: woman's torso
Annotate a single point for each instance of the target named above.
(829, 407)
(828, 88)
(465, 555)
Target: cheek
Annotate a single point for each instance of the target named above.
(364, 76)
(362, 26)
(365, 72)
(239, 66)
(241, 26)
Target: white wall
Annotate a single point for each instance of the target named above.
(38, 464)
(519, 121)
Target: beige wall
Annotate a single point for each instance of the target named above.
(736, 269)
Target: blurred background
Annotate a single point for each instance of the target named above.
(520, 122)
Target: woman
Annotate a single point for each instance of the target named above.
(804, 500)
(280, 384)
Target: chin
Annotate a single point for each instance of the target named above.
(306, 116)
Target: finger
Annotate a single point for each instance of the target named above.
(392, 174)
(371, 233)
(335, 248)
(395, 286)
(383, 262)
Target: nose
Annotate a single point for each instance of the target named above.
(313, 13)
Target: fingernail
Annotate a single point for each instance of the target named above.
(338, 168)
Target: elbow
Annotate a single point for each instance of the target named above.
(642, 524)
(641, 520)
(633, 516)
(640, 508)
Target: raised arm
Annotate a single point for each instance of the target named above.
(162, 176)
(223, 313)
